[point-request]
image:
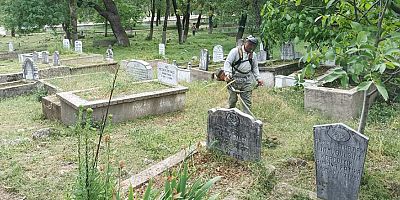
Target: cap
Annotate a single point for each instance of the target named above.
(252, 39)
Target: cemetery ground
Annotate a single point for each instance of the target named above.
(47, 168)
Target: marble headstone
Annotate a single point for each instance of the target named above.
(10, 47)
(218, 53)
(204, 58)
(35, 56)
(339, 153)
(234, 133)
(287, 51)
(78, 46)
(161, 49)
(45, 57)
(109, 54)
(29, 70)
(139, 70)
(56, 59)
(167, 73)
(66, 44)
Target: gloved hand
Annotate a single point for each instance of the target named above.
(260, 82)
(228, 78)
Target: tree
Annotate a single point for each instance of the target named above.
(110, 12)
(73, 6)
(178, 21)
(152, 10)
(363, 37)
(164, 33)
(187, 19)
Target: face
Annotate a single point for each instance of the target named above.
(249, 47)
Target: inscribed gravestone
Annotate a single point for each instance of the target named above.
(45, 57)
(139, 70)
(287, 51)
(10, 47)
(167, 73)
(339, 153)
(78, 46)
(35, 56)
(109, 54)
(262, 55)
(56, 59)
(234, 133)
(218, 53)
(66, 44)
(30, 71)
(161, 49)
(203, 65)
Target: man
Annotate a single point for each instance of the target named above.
(242, 74)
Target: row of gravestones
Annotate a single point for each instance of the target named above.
(42, 56)
(78, 45)
(339, 151)
(166, 73)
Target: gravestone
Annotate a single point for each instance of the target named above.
(22, 57)
(78, 46)
(66, 44)
(10, 47)
(56, 59)
(29, 70)
(262, 55)
(45, 57)
(204, 58)
(110, 54)
(161, 49)
(287, 51)
(234, 133)
(218, 53)
(139, 70)
(339, 153)
(167, 73)
(174, 63)
(35, 56)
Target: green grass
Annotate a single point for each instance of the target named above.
(46, 169)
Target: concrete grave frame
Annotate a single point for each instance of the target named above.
(290, 80)
(127, 107)
(268, 73)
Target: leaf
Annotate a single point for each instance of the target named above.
(330, 78)
(148, 190)
(356, 26)
(130, 196)
(330, 55)
(214, 197)
(329, 4)
(362, 37)
(352, 50)
(382, 90)
(203, 190)
(364, 86)
(391, 51)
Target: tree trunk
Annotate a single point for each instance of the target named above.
(164, 33)
(242, 25)
(66, 27)
(187, 24)
(199, 19)
(74, 20)
(12, 32)
(111, 14)
(153, 9)
(257, 12)
(158, 18)
(210, 21)
(364, 113)
(178, 21)
(106, 29)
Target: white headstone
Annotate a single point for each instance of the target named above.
(45, 57)
(218, 53)
(339, 153)
(167, 73)
(10, 47)
(262, 55)
(56, 59)
(22, 57)
(78, 46)
(139, 70)
(261, 46)
(174, 63)
(66, 44)
(35, 57)
(30, 71)
(3, 31)
(161, 49)
(204, 58)
(109, 54)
